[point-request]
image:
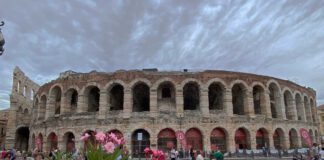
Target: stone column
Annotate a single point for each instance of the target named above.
(270, 136)
(81, 104)
(103, 105)
(179, 101)
(206, 141)
(128, 100)
(228, 104)
(293, 107)
(64, 104)
(50, 107)
(204, 102)
(281, 108)
(153, 103)
(11, 125)
(304, 119)
(253, 138)
(248, 103)
(267, 104)
(153, 142)
(231, 146)
(286, 143)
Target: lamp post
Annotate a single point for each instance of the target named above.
(2, 41)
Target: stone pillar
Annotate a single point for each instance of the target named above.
(281, 108)
(154, 142)
(81, 104)
(153, 103)
(204, 108)
(304, 119)
(231, 146)
(64, 105)
(253, 138)
(267, 104)
(128, 100)
(50, 106)
(206, 141)
(228, 104)
(248, 103)
(179, 101)
(286, 143)
(11, 124)
(103, 105)
(270, 136)
(293, 107)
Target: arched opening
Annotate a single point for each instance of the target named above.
(274, 100)
(167, 140)
(36, 109)
(242, 139)
(194, 139)
(316, 137)
(216, 96)
(259, 100)
(289, 108)
(299, 106)
(166, 97)
(313, 108)
(69, 141)
(118, 134)
(262, 138)
(311, 135)
(39, 142)
(191, 96)
(55, 99)
(52, 142)
(138, 145)
(141, 98)
(91, 140)
(93, 98)
(72, 100)
(238, 99)
(307, 110)
(218, 140)
(278, 138)
(293, 139)
(22, 138)
(116, 97)
(42, 108)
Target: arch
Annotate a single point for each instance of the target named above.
(219, 81)
(116, 97)
(167, 140)
(26, 112)
(33, 141)
(22, 138)
(69, 141)
(92, 98)
(194, 139)
(112, 83)
(242, 138)
(166, 96)
(141, 97)
(262, 138)
(289, 105)
(55, 99)
(278, 138)
(239, 98)
(42, 107)
(218, 139)
(139, 146)
(293, 138)
(274, 94)
(91, 140)
(191, 96)
(316, 137)
(52, 142)
(216, 94)
(71, 100)
(39, 142)
(311, 134)
(163, 80)
(190, 80)
(299, 107)
(259, 101)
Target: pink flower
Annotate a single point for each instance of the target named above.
(100, 136)
(109, 147)
(147, 150)
(85, 137)
(112, 135)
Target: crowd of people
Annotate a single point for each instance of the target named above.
(195, 154)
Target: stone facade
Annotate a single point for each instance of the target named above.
(321, 119)
(3, 126)
(213, 108)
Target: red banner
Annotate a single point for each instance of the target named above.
(180, 135)
(303, 132)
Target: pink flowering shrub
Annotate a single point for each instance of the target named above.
(156, 154)
(104, 147)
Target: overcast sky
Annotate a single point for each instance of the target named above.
(280, 38)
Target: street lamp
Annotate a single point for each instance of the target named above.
(2, 41)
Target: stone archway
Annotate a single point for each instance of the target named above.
(22, 138)
(218, 139)
(167, 140)
(278, 138)
(138, 146)
(262, 138)
(69, 141)
(194, 139)
(242, 139)
(52, 142)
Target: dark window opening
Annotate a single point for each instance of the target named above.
(257, 100)
(139, 146)
(273, 102)
(141, 98)
(57, 101)
(191, 96)
(74, 99)
(166, 92)
(215, 96)
(238, 100)
(22, 138)
(93, 100)
(117, 98)
(288, 107)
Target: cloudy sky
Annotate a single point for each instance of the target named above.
(281, 38)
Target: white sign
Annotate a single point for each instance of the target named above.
(139, 136)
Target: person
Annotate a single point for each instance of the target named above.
(181, 153)
(173, 154)
(12, 154)
(199, 156)
(218, 155)
(315, 151)
(321, 153)
(192, 154)
(3, 153)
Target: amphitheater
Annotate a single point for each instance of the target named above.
(230, 110)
